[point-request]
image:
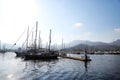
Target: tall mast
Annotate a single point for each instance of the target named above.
(32, 42)
(27, 37)
(62, 44)
(49, 40)
(36, 35)
(39, 41)
(46, 45)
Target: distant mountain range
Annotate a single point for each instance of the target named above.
(91, 43)
(117, 42)
(81, 44)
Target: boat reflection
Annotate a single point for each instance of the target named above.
(86, 65)
(41, 65)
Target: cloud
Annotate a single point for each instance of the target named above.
(117, 30)
(78, 25)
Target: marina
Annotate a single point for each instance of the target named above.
(103, 67)
(59, 40)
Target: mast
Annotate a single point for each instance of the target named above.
(27, 37)
(46, 45)
(36, 36)
(62, 44)
(49, 40)
(39, 41)
(32, 42)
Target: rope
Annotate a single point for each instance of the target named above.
(20, 37)
(28, 36)
(17, 40)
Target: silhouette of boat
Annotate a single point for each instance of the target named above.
(21, 53)
(44, 55)
(35, 54)
(2, 51)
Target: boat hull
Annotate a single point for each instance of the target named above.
(20, 54)
(39, 57)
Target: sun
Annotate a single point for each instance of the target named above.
(15, 16)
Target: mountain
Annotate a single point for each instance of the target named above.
(86, 42)
(117, 42)
(80, 44)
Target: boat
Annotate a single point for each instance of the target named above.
(2, 51)
(40, 56)
(82, 58)
(37, 54)
(21, 53)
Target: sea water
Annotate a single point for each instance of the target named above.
(102, 67)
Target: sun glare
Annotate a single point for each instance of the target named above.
(16, 15)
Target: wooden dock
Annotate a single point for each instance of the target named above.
(76, 58)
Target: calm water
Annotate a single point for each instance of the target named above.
(102, 67)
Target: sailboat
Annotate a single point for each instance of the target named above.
(35, 54)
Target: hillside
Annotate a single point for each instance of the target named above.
(78, 44)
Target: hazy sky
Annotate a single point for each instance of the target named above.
(95, 20)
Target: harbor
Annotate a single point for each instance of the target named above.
(101, 67)
(59, 40)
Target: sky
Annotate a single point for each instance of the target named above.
(94, 20)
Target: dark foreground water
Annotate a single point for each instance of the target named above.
(102, 67)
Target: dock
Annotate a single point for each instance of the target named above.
(76, 58)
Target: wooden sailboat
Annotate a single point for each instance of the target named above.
(36, 54)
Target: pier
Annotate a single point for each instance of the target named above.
(76, 58)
